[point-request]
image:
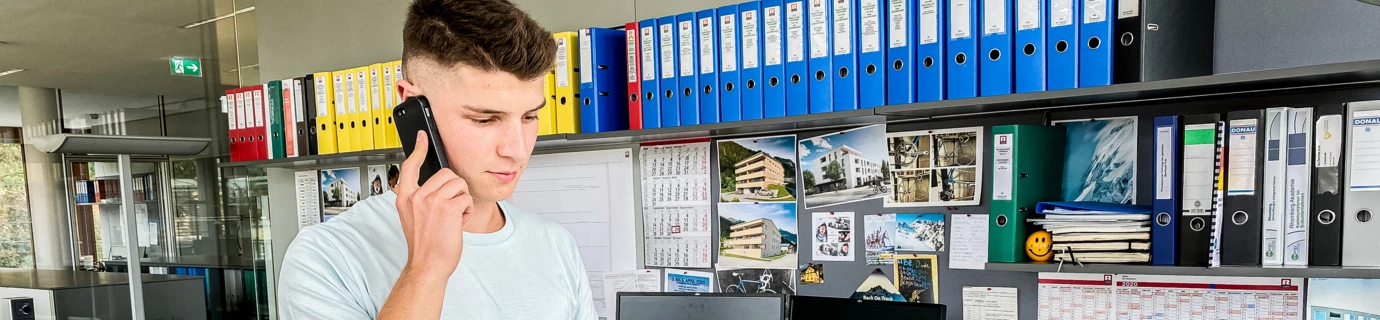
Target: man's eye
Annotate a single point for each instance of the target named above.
(482, 121)
(529, 118)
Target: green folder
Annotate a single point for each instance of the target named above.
(275, 118)
(1027, 168)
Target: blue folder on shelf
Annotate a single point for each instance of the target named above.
(1095, 52)
(871, 45)
(844, 35)
(1091, 206)
(962, 77)
(995, 71)
(688, 40)
(603, 82)
(651, 92)
(931, 32)
(750, 59)
(1061, 48)
(1164, 228)
(821, 38)
(899, 36)
(730, 62)
(797, 51)
(707, 53)
(668, 50)
(774, 75)
(1030, 46)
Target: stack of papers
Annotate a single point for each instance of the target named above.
(1094, 232)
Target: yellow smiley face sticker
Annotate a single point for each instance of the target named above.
(1037, 247)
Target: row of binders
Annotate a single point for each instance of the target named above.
(320, 113)
(95, 191)
(1280, 186)
(775, 58)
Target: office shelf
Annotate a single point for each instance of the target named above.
(1224, 271)
(1299, 79)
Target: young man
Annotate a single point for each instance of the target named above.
(403, 255)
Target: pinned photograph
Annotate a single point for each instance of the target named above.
(877, 287)
(754, 170)
(812, 273)
(920, 232)
(756, 280)
(934, 168)
(757, 235)
(879, 238)
(1100, 160)
(843, 167)
(339, 191)
(833, 236)
(378, 180)
(917, 278)
(678, 280)
(393, 173)
(1330, 298)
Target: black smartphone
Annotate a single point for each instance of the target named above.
(412, 116)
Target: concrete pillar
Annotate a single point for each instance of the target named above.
(39, 114)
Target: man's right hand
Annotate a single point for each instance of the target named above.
(432, 215)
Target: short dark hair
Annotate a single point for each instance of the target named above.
(490, 35)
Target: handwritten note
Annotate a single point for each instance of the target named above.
(969, 241)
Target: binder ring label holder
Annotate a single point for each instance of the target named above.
(1327, 217)
(1127, 39)
(1363, 215)
(1001, 220)
(1240, 217)
(1163, 219)
(1197, 224)
(1061, 46)
(960, 58)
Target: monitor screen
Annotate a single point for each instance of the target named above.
(821, 308)
(697, 306)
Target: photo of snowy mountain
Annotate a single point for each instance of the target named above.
(1100, 160)
(920, 232)
(877, 287)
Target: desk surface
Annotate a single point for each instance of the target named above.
(68, 279)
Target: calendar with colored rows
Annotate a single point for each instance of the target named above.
(676, 205)
(1123, 296)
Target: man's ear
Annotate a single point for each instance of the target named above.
(408, 89)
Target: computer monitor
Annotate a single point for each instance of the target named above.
(821, 308)
(697, 306)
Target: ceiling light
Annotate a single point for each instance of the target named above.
(12, 71)
(217, 18)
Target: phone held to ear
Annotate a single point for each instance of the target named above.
(412, 116)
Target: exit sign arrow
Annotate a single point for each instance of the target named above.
(190, 67)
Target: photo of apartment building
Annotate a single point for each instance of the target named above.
(757, 172)
(754, 239)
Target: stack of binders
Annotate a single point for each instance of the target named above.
(1094, 232)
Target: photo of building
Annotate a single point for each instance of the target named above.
(858, 171)
(757, 239)
(758, 172)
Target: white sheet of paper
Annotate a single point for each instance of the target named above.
(989, 303)
(308, 198)
(642, 280)
(590, 194)
(968, 241)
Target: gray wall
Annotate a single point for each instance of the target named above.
(1271, 34)
(297, 37)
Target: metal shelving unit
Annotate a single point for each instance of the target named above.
(1224, 271)
(1277, 81)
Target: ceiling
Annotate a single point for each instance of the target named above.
(111, 47)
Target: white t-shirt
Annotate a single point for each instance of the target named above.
(345, 268)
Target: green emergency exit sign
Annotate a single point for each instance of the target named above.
(185, 67)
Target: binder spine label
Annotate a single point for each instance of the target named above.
(648, 54)
(1274, 187)
(795, 33)
(896, 27)
(1094, 11)
(772, 42)
(960, 19)
(341, 105)
(871, 29)
(240, 116)
(1328, 142)
(668, 52)
(633, 55)
(1242, 155)
(562, 73)
(374, 87)
(993, 17)
(706, 45)
(843, 27)
(1029, 14)
(1002, 171)
(1164, 162)
(258, 108)
(1127, 9)
(1061, 13)
(1365, 135)
(1296, 193)
(929, 22)
(586, 57)
(819, 29)
(750, 50)
(727, 48)
(687, 48)
(1199, 169)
